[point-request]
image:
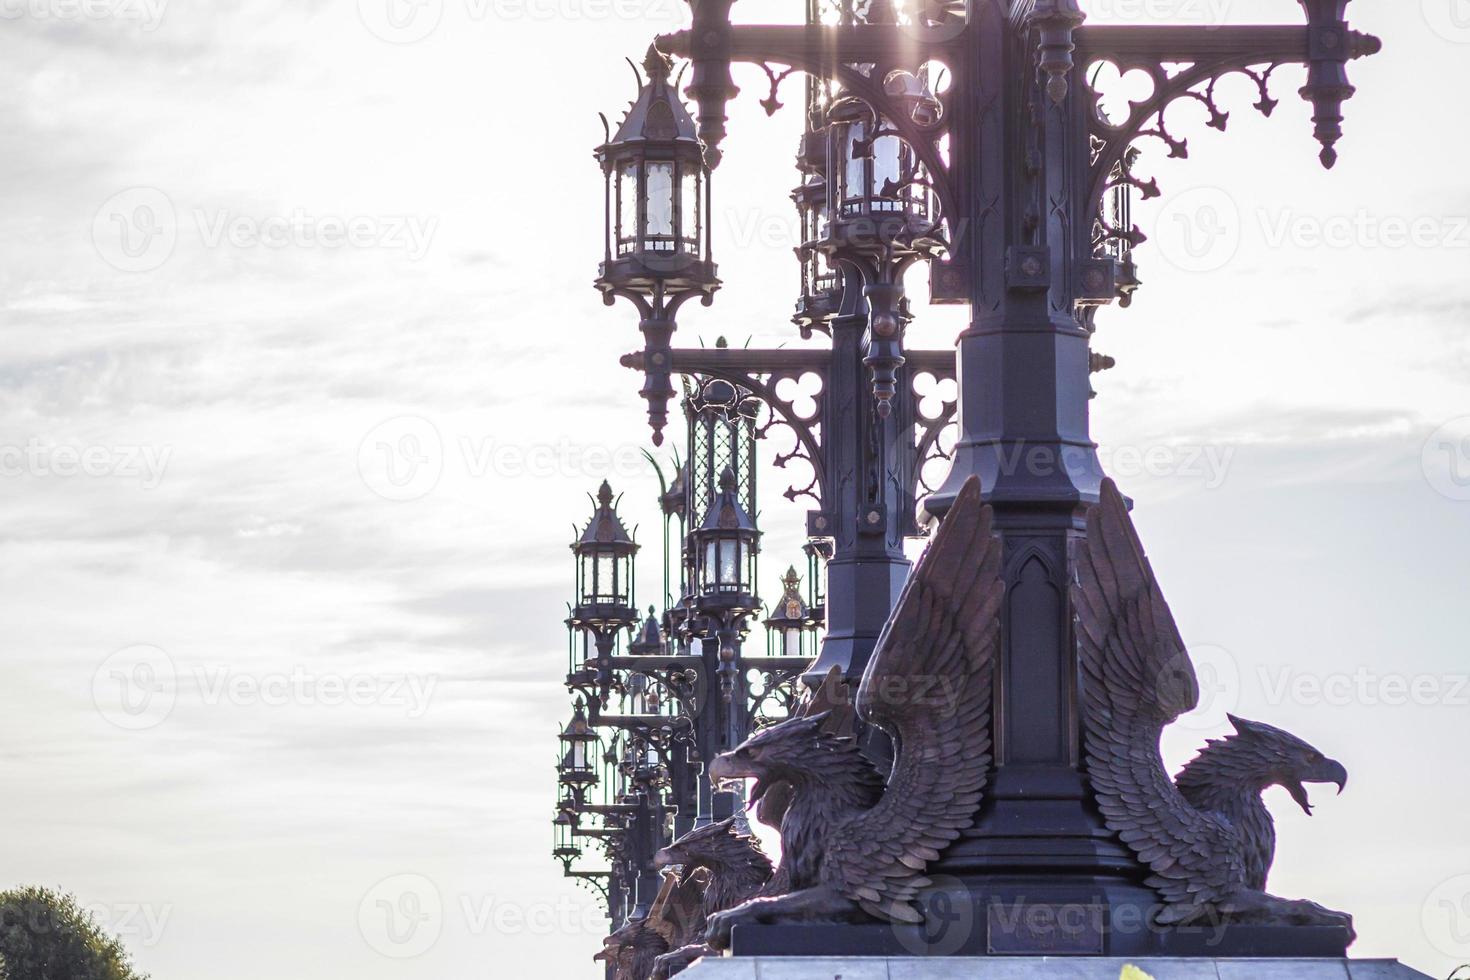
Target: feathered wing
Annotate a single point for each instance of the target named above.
(677, 915)
(929, 686)
(1138, 679)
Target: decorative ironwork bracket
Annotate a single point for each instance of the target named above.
(763, 371)
(1202, 59)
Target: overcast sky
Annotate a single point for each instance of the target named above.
(303, 383)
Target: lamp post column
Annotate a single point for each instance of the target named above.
(1024, 388)
(867, 517)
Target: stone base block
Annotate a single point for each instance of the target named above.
(1041, 968)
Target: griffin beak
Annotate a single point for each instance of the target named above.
(720, 770)
(1330, 771)
(1336, 774)
(663, 859)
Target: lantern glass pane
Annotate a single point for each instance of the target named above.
(887, 163)
(660, 187)
(605, 581)
(791, 638)
(855, 179)
(627, 206)
(689, 209)
(710, 571)
(579, 755)
(731, 554)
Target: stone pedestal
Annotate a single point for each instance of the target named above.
(1042, 968)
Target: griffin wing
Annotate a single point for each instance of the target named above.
(1138, 679)
(929, 686)
(677, 915)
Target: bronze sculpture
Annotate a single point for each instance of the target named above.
(735, 870)
(1207, 837)
(674, 916)
(849, 846)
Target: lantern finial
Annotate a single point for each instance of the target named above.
(657, 64)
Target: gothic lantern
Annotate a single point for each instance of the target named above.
(564, 846)
(821, 284)
(658, 196)
(605, 553)
(874, 197)
(725, 546)
(791, 629)
(578, 741)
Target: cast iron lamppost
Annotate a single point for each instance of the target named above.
(866, 440)
(682, 692)
(1014, 185)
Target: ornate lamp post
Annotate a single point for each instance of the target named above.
(657, 242)
(682, 692)
(1014, 185)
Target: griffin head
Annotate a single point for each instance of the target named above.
(780, 753)
(716, 848)
(1260, 756)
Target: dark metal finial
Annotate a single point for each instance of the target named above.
(657, 64)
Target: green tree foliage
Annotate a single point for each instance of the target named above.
(45, 935)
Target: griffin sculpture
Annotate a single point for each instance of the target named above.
(1207, 838)
(634, 948)
(849, 843)
(737, 869)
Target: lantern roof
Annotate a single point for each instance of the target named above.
(650, 638)
(658, 114)
(791, 610)
(725, 512)
(606, 528)
(578, 730)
